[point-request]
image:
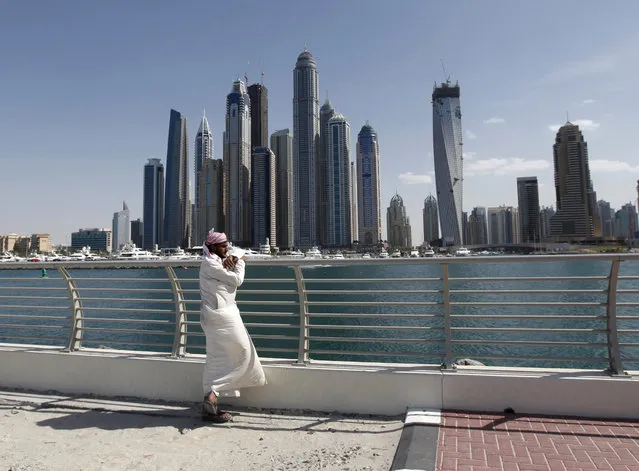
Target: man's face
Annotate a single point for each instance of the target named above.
(221, 250)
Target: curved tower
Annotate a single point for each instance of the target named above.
(306, 128)
(237, 165)
(369, 204)
(447, 154)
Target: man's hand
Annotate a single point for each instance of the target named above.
(229, 262)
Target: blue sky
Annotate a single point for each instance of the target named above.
(86, 89)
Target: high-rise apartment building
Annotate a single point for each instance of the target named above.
(338, 183)
(545, 216)
(323, 155)
(353, 195)
(258, 94)
(626, 222)
(477, 227)
(369, 198)
(177, 203)
(237, 165)
(203, 152)
(137, 232)
(305, 146)
(282, 147)
(211, 197)
(398, 224)
(153, 204)
(528, 201)
(263, 200)
(503, 225)
(121, 227)
(447, 155)
(607, 218)
(577, 215)
(431, 220)
(96, 238)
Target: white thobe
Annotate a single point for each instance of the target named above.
(231, 360)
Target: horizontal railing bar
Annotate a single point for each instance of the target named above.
(270, 280)
(628, 277)
(629, 345)
(547, 358)
(276, 337)
(524, 303)
(372, 280)
(272, 326)
(9, 306)
(123, 309)
(271, 303)
(628, 291)
(628, 331)
(141, 321)
(28, 316)
(373, 303)
(531, 278)
(127, 342)
(371, 340)
(145, 290)
(125, 331)
(526, 316)
(31, 337)
(152, 280)
(528, 343)
(526, 329)
(628, 304)
(33, 326)
(372, 291)
(259, 349)
(377, 354)
(628, 318)
(137, 300)
(529, 291)
(53, 298)
(250, 314)
(38, 278)
(364, 315)
(268, 291)
(32, 288)
(374, 327)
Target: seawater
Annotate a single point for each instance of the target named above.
(105, 306)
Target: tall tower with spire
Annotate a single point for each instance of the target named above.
(326, 113)
(369, 200)
(306, 135)
(447, 155)
(177, 208)
(203, 152)
(237, 165)
(258, 94)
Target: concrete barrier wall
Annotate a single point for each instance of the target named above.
(362, 388)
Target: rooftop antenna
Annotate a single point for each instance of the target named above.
(445, 73)
(567, 117)
(305, 46)
(248, 64)
(262, 78)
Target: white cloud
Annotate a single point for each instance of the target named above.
(598, 165)
(584, 125)
(470, 134)
(572, 70)
(469, 155)
(504, 166)
(494, 120)
(588, 101)
(411, 178)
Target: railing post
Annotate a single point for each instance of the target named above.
(448, 335)
(179, 339)
(77, 323)
(615, 365)
(303, 352)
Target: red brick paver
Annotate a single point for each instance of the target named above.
(479, 442)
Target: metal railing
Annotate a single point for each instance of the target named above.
(546, 311)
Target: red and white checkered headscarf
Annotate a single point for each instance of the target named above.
(213, 237)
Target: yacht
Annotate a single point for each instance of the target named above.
(296, 253)
(383, 254)
(265, 249)
(338, 256)
(414, 253)
(131, 252)
(366, 255)
(313, 252)
(429, 252)
(462, 252)
(396, 254)
(7, 257)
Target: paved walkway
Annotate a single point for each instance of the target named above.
(479, 442)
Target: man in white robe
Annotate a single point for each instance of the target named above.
(231, 360)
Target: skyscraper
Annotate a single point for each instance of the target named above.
(626, 222)
(263, 201)
(528, 201)
(305, 142)
(447, 154)
(237, 165)
(477, 227)
(137, 232)
(258, 94)
(153, 204)
(326, 113)
(503, 225)
(577, 215)
(282, 147)
(545, 215)
(203, 151)
(211, 197)
(338, 182)
(398, 224)
(177, 206)
(121, 227)
(353, 202)
(369, 199)
(431, 220)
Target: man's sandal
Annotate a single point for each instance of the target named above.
(212, 413)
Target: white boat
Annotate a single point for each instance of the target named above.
(383, 254)
(313, 252)
(396, 254)
(462, 252)
(296, 253)
(7, 257)
(414, 253)
(338, 256)
(265, 249)
(131, 252)
(429, 252)
(366, 255)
